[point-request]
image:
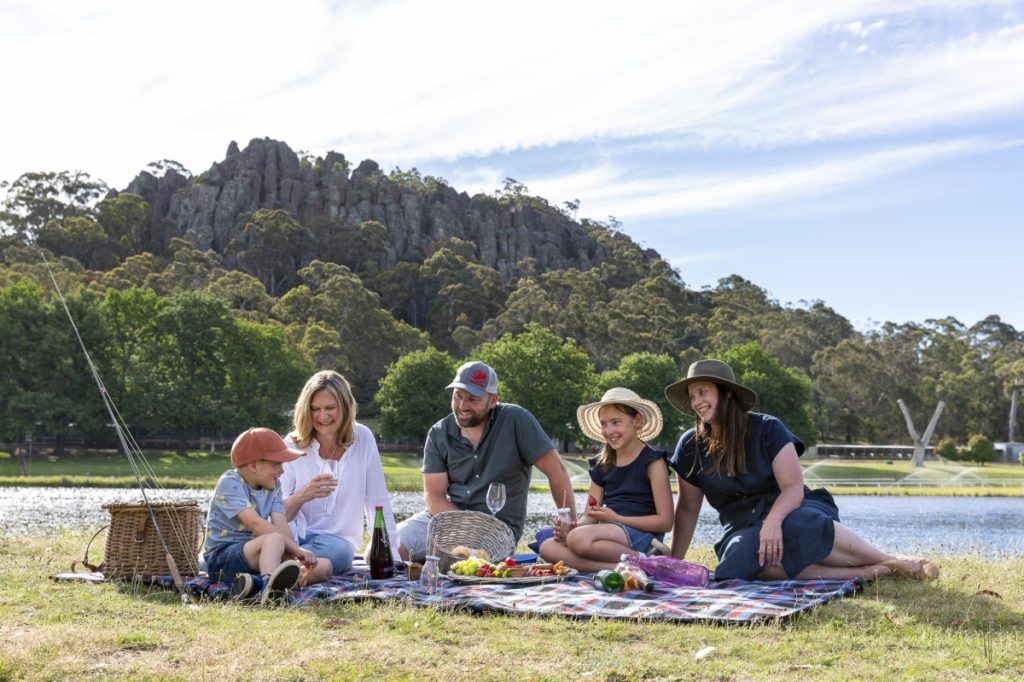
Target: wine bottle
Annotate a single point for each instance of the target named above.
(382, 565)
(608, 581)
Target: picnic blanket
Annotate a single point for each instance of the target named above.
(727, 601)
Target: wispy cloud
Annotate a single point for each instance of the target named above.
(619, 191)
(404, 81)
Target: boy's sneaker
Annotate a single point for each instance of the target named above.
(245, 585)
(280, 581)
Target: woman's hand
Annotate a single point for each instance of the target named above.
(769, 552)
(319, 486)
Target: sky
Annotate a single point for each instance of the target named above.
(869, 155)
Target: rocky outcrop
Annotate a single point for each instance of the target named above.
(207, 208)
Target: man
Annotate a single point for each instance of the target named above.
(482, 442)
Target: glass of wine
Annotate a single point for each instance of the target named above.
(496, 497)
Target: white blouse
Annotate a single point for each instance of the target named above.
(360, 488)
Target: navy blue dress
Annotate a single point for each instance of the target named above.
(627, 490)
(743, 502)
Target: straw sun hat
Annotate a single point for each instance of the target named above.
(715, 371)
(589, 416)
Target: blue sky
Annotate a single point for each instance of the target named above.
(867, 154)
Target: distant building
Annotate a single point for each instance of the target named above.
(1008, 452)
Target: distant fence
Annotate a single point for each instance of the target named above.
(1005, 452)
(882, 452)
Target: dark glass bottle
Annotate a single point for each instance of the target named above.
(381, 563)
(609, 581)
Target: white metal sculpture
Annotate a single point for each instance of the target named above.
(920, 444)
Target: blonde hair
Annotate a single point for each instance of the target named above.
(302, 419)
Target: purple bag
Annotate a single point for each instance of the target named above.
(671, 570)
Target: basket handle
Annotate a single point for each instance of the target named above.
(140, 528)
(84, 561)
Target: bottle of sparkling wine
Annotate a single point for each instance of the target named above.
(381, 563)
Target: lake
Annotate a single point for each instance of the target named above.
(989, 526)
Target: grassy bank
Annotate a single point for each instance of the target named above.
(402, 471)
(968, 625)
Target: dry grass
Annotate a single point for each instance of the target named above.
(968, 625)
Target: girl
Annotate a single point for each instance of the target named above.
(746, 464)
(628, 476)
(331, 492)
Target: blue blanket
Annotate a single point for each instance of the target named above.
(733, 601)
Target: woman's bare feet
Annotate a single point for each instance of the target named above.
(913, 567)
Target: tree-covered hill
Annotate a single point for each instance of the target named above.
(353, 269)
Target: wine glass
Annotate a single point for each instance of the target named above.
(495, 497)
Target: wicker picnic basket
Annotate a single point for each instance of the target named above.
(472, 529)
(133, 545)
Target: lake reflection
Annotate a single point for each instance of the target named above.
(990, 526)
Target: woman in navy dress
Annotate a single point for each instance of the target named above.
(747, 466)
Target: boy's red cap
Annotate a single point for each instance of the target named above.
(259, 443)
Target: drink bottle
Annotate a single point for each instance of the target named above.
(430, 574)
(670, 570)
(609, 581)
(381, 563)
(633, 576)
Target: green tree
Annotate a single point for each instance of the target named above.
(124, 218)
(79, 238)
(46, 385)
(264, 375)
(369, 338)
(978, 449)
(35, 199)
(412, 396)
(781, 392)
(270, 249)
(547, 375)
(648, 374)
(946, 448)
(181, 378)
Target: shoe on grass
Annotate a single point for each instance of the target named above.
(245, 585)
(280, 581)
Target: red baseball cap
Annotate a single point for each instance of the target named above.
(259, 443)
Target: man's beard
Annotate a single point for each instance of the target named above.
(473, 421)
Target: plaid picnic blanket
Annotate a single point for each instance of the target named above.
(728, 601)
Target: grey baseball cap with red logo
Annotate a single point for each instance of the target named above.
(476, 378)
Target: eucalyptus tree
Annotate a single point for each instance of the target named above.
(412, 394)
(648, 374)
(781, 392)
(545, 373)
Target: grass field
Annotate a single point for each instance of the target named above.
(967, 626)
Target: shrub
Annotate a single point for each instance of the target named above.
(946, 448)
(979, 449)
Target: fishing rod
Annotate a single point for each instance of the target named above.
(122, 436)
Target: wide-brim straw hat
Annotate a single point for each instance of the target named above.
(715, 371)
(589, 415)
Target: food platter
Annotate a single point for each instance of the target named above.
(521, 580)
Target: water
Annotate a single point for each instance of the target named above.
(990, 526)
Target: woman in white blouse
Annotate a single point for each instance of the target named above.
(331, 492)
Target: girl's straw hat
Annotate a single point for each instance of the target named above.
(589, 416)
(715, 371)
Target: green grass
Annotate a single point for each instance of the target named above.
(402, 472)
(967, 626)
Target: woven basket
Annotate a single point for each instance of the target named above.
(133, 546)
(472, 529)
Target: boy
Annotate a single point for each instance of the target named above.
(246, 529)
